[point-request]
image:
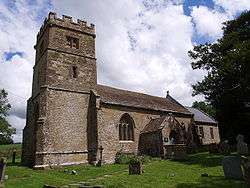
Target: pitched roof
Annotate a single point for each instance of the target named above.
(200, 116)
(110, 95)
(153, 125)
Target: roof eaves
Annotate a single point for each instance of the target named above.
(140, 107)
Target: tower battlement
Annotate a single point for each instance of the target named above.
(66, 22)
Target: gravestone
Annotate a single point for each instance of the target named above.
(242, 148)
(247, 173)
(246, 167)
(2, 169)
(135, 168)
(232, 167)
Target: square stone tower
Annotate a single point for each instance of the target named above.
(59, 110)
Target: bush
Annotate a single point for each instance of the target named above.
(122, 158)
(135, 160)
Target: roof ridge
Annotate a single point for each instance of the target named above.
(137, 92)
(114, 95)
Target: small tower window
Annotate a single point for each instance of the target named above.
(72, 42)
(74, 72)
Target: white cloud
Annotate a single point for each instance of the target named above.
(18, 27)
(233, 7)
(208, 22)
(19, 124)
(142, 48)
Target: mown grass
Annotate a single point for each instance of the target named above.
(157, 173)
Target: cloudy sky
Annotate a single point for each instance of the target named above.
(141, 45)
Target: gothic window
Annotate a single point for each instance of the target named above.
(212, 132)
(74, 72)
(72, 42)
(126, 128)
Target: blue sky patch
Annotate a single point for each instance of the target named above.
(9, 55)
(188, 4)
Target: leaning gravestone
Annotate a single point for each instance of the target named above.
(232, 167)
(2, 169)
(242, 148)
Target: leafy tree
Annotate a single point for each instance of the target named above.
(227, 83)
(205, 107)
(6, 131)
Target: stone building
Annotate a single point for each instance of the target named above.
(70, 117)
(206, 127)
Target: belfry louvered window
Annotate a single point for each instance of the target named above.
(72, 42)
(126, 128)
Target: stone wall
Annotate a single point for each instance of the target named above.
(59, 72)
(207, 136)
(63, 135)
(28, 147)
(108, 129)
(36, 108)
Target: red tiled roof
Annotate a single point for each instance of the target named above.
(110, 95)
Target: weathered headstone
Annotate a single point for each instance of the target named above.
(232, 167)
(246, 167)
(2, 169)
(135, 168)
(242, 148)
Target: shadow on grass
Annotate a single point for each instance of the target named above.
(213, 182)
(204, 159)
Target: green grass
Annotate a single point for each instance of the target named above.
(158, 173)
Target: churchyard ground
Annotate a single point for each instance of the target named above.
(157, 173)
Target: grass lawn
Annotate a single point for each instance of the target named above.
(158, 173)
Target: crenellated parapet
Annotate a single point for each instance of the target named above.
(66, 22)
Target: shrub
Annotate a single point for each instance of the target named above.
(122, 158)
(135, 160)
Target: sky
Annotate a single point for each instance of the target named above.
(141, 45)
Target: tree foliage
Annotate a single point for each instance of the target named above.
(205, 107)
(227, 83)
(6, 131)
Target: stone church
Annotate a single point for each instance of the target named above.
(72, 120)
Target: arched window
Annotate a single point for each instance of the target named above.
(126, 128)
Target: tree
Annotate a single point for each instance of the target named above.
(227, 83)
(6, 131)
(205, 107)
